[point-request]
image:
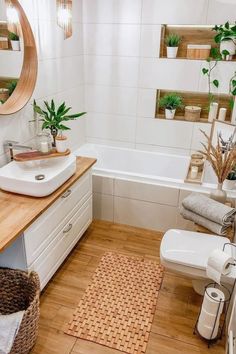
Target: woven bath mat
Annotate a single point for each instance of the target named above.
(118, 306)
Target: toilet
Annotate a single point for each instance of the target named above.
(186, 253)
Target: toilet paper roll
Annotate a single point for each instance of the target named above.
(208, 319)
(206, 331)
(218, 264)
(212, 299)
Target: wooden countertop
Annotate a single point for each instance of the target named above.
(17, 211)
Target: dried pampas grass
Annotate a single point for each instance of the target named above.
(221, 162)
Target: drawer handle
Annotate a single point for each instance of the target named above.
(66, 194)
(67, 229)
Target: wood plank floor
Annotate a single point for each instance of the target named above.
(178, 305)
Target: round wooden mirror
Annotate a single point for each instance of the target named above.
(19, 73)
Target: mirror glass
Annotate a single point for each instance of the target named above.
(11, 50)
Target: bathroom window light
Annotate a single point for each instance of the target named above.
(12, 14)
(64, 16)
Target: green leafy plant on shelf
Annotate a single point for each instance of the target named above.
(53, 117)
(13, 36)
(171, 101)
(11, 86)
(225, 32)
(172, 40)
(232, 175)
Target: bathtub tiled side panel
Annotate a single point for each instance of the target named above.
(144, 214)
(102, 184)
(103, 207)
(146, 192)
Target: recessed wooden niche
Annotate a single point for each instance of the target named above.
(189, 35)
(194, 99)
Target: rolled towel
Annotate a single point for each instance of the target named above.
(210, 209)
(200, 220)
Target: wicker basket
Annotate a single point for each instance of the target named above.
(20, 291)
(192, 113)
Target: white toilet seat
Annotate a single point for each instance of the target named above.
(187, 252)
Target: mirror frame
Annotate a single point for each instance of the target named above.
(28, 76)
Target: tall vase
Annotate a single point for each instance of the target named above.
(219, 194)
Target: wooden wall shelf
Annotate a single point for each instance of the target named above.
(189, 35)
(194, 99)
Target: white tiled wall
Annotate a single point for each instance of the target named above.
(122, 70)
(60, 72)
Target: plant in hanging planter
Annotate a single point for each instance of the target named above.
(172, 42)
(230, 182)
(170, 102)
(222, 161)
(15, 40)
(53, 119)
(226, 38)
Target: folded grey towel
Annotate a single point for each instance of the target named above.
(200, 220)
(9, 326)
(210, 209)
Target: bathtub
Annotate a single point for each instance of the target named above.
(142, 188)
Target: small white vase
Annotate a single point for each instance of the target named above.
(172, 52)
(61, 144)
(229, 184)
(230, 46)
(15, 45)
(170, 113)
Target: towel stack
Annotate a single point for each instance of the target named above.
(206, 212)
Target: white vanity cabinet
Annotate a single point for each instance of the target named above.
(49, 239)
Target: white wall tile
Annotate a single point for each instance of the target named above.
(144, 214)
(112, 11)
(102, 207)
(111, 100)
(170, 74)
(112, 70)
(146, 103)
(221, 11)
(146, 192)
(108, 142)
(112, 39)
(174, 11)
(223, 72)
(164, 133)
(150, 41)
(114, 128)
(163, 149)
(198, 137)
(103, 185)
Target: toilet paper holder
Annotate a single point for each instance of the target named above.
(226, 303)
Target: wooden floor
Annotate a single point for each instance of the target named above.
(178, 305)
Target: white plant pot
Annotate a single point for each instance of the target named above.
(172, 52)
(229, 184)
(230, 46)
(170, 113)
(15, 45)
(61, 144)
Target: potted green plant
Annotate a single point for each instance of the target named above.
(15, 41)
(170, 102)
(53, 119)
(172, 42)
(226, 37)
(230, 182)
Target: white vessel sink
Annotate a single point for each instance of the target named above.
(37, 178)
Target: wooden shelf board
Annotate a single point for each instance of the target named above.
(182, 119)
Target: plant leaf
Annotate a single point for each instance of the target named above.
(216, 83)
(205, 71)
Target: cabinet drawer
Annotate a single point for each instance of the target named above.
(44, 229)
(51, 258)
